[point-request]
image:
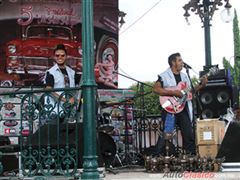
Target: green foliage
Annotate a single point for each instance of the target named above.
(194, 80)
(151, 100)
(235, 69)
(236, 37)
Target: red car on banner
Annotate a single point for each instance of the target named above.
(34, 52)
(32, 55)
(32, 29)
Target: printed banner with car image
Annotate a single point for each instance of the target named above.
(30, 30)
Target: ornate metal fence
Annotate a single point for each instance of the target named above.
(48, 132)
(148, 131)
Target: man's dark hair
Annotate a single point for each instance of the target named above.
(60, 47)
(172, 58)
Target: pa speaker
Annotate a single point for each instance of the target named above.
(229, 148)
(222, 77)
(218, 95)
(10, 163)
(214, 101)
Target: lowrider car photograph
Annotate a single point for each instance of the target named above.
(32, 55)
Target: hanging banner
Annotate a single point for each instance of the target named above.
(30, 30)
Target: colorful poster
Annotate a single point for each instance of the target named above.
(30, 30)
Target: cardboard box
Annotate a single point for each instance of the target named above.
(210, 131)
(209, 150)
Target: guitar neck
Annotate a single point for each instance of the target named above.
(212, 71)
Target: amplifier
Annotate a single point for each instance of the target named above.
(10, 162)
(223, 77)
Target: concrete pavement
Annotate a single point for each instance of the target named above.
(141, 174)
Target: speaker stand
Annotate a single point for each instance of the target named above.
(20, 165)
(118, 159)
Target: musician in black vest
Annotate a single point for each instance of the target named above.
(171, 78)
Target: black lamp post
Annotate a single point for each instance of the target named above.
(205, 9)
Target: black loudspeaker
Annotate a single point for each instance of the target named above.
(10, 163)
(214, 101)
(222, 77)
(230, 148)
(47, 134)
(217, 96)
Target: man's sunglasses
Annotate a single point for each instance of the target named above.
(60, 55)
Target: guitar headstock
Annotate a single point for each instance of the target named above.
(213, 71)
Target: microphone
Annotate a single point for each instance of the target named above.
(185, 65)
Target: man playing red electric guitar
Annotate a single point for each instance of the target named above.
(181, 99)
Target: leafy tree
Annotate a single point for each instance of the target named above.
(236, 37)
(235, 69)
(151, 100)
(194, 80)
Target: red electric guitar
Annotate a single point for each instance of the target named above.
(174, 104)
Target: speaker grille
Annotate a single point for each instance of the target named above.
(214, 101)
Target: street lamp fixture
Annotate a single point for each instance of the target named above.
(227, 14)
(121, 15)
(205, 9)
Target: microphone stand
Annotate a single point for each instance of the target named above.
(195, 97)
(142, 115)
(132, 79)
